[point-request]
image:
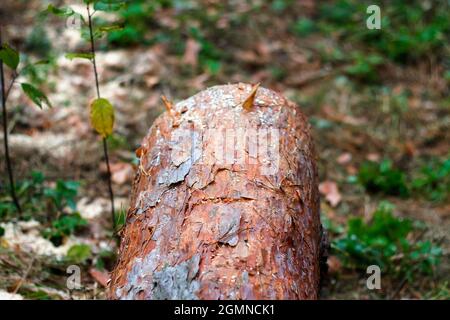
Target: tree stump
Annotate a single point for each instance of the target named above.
(225, 203)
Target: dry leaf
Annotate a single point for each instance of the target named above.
(248, 103)
(375, 157)
(191, 53)
(331, 192)
(101, 277)
(344, 158)
(122, 173)
(151, 81)
(351, 170)
(410, 149)
(334, 265)
(199, 81)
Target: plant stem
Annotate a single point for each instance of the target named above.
(105, 145)
(111, 194)
(91, 34)
(5, 135)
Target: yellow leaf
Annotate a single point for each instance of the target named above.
(102, 116)
(248, 103)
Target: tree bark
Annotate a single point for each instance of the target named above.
(215, 215)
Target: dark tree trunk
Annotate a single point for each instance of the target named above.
(209, 223)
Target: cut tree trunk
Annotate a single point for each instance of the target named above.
(225, 203)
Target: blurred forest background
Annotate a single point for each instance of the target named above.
(378, 102)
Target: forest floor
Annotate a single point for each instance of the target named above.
(389, 112)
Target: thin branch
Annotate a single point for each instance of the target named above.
(91, 34)
(5, 135)
(105, 145)
(13, 80)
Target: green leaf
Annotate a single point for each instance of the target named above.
(79, 253)
(37, 295)
(102, 116)
(63, 12)
(9, 56)
(37, 96)
(80, 55)
(304, 27)
(110, 28)
(41, 62)
(109, 5)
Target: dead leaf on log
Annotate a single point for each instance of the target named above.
(248, 102)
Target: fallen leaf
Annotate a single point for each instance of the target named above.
(375, 157)
(121, 173)
(334, 265)
(331, 192)
(101, 277)
(344, 158)
(332, 114)
(248, 102)
(151, 81)
(199, 81)
(351, 170)
(410, 149)
(191, 52)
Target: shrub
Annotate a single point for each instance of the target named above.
(433, 182)
(386, 241)
(383, 178)
(64, 226)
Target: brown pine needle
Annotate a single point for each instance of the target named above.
(24, 277)
(248, 102)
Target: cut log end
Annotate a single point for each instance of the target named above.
(228, 207)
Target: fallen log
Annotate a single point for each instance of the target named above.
(225, 203)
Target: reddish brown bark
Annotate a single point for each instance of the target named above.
(198, 228)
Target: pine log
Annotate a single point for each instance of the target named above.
(209, 223)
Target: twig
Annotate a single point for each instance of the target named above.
(405, 279)
(25, 275)
(5, 134)
(14, 77)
